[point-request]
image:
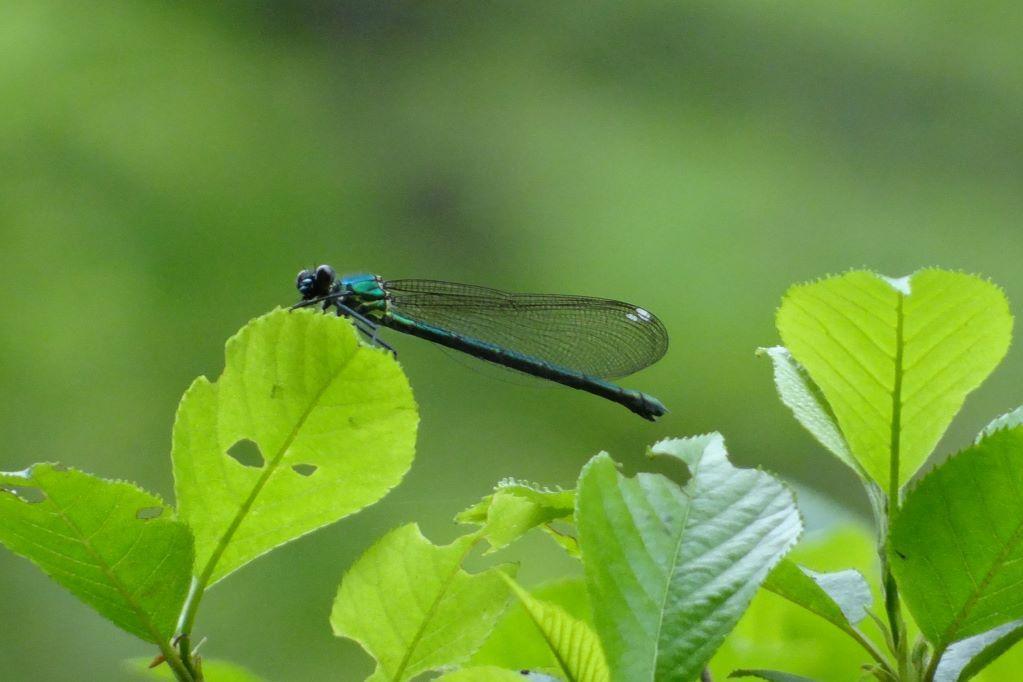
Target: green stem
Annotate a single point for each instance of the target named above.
(181, 671)
(872, 649)
(932, 665)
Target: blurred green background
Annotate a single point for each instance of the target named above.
(165, 169)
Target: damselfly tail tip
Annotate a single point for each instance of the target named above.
(651, 408)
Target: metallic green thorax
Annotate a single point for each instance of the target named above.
(368, 295)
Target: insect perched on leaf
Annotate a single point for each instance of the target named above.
(577, 341)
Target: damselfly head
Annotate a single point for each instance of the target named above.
(314, 283)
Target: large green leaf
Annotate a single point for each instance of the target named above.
(113, 545)
(412, 607)
(956, 548)
(670, 570)
(573, 643)
(896, 358)
(334, 421)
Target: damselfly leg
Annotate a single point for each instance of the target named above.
(365, 325)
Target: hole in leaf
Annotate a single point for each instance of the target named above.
(146, 513)
(246, 453)
(670, 467)
(25, 493)
(304, 469)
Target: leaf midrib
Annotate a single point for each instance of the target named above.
(684, 521)
(271, 467)
(896, 433)
(428, 616)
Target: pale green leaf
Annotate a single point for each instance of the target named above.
(212, 670)
(964, 659)
(770, 676)
(776, 634)
(334, 421)
(842, 597)
(956, 547)
(412, 607)
(808, 405)
(113, 545)
(573, 643)
(1007, 420)
(896, 358)
(516, 644)
(514, 508)
(670, 570)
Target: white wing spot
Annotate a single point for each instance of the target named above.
(632, 317)
(644, 315)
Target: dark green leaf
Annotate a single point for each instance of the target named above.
(956, 547)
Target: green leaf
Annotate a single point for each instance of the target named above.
(964, 659)
(770, 676)
(574, 644)
(956, 548)
(670, 570)
(896, 358)
(1007, 420)
(334, 422)
(516, 508)
(113, 545)
(811, 409)
(776, 634)
(212, 670)
(516, 644)
(412, 607)
(841, 598)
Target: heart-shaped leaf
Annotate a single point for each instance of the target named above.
(333, 421)
(896, 358)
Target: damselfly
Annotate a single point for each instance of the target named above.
(577, 341)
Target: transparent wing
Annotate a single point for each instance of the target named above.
(596, 336)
